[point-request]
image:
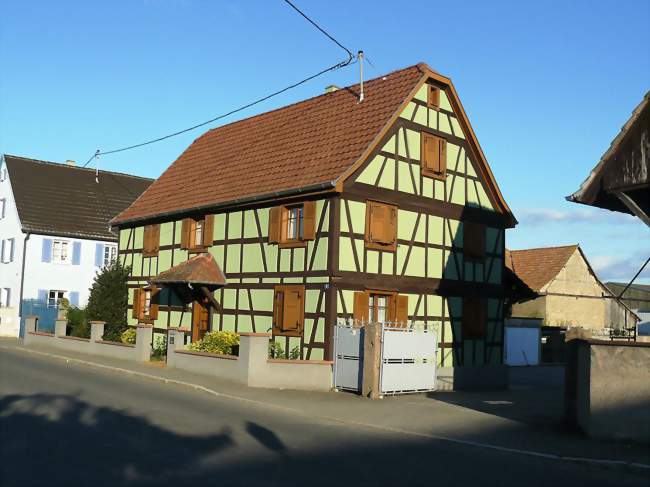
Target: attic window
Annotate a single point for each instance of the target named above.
(433, 156)
(433, 96)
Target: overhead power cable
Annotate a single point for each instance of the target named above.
(334, 67)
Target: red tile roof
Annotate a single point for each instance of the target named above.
(537, 267)
(200, 269)
(301, 145)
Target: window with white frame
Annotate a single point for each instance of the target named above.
(3, 174)
(7, 250)
(5, 297)
(3, 207)
(110, 254)
(61, 252)
(54, 298)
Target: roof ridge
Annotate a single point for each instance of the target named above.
(545, 248)
(66, 166)
(420, 65)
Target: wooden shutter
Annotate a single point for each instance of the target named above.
(146, 239)
(208, 230)
(430, 153)
(151, 239)
(293, 309)
(474, 241)
(361, 307)
(381, 226)
(153, 307)
(442, 158)
(275, 215)
(433, 96)
(185, 233)
(309, 220)
(390, 233)
(278, 306)
(402, 310)
(474, 317)
(136, 303)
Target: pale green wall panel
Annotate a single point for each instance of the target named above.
(408, 111)
(228, 322)
(452, 157)
(164, 260)
(252, 258)
(346, 258)
(285, 259)
(244, 305)
(458, 131)
(229, 298)
(387, 179)
(271, 257)
(389, 146)
(421, 94)
(136, 270)
(405, 183)
(434, 263)
(220, 226)
(139, 236)
(180, 256)
(299, 260)
(250, 226)
(232, 259)
(416, 266)
(234, 224)
(401, 257)
(372, 261)
(405, 224)
(444, 101)
(124, 238)
(421, 116)
(413, 140)
(387, 259)
(320, 259)
(427, 187)
(443, 123)
(458, 191)
(217, 253)
(166, 233)
(435, 229)
(357, 215)
(244, 324)
(483, 198)
(348, 300)
(262, 299)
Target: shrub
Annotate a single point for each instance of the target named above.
(109, 299)
(160, 347)
(276, 351)
(216, 342)
(77, 322)
(128, 336)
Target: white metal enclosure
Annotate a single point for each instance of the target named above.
(522, 345)
(348, 357)
(408, 360)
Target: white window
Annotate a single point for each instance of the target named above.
(5, 297)
(3, 174)
(7, 251)
(54, 298)
(3, 208)
(146, 308)
(60, 252)
(378, 308)
(110, 254)
(294, 223)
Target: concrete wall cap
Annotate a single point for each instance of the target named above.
(268, 335)
(144, 325)
(97, 322)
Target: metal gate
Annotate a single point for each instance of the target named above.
(408, 359)
(348, 357)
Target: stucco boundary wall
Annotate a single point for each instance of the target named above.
(95, 345)
(252, 367)
(608, 389)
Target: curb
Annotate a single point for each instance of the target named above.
(634, 466)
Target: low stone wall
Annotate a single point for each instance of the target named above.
(252, 367)
(608, 389)
(95, 345)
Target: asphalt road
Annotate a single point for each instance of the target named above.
(62, 424)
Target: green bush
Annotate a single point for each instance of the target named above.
(128, 336)
(109, 299)
(77, 322)
(217, 342)
(159, 348)
(276, 351)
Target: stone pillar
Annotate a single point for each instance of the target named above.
(371, 361)
(96, 330)
(60, 326)
(253, 356)
(30, 327)
(175, 341)
(143, 337)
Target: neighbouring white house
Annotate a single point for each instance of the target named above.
(55, 234)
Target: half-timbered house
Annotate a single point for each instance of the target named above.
(327, 210)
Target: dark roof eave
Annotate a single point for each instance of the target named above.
(234, 202)
(84, 236)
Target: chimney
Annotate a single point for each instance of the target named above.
(70, 162)
(331, 88)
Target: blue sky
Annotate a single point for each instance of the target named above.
(547, 85)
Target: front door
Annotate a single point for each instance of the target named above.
(200, 319)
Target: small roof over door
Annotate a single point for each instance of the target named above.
(199, 270)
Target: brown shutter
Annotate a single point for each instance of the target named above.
(155, 298)
(278, 306)
(146, 239)
(309, 220)
(442, 159)
(208, 230)
(378, 222)
(292, 312)
(474, 318)
(474, 240)
(136, 303)
(156, 238)
(274, 224)
(433, 96)
(402, 310)
(430, 152)
(390, 234)
(185, 233)
(361, 307)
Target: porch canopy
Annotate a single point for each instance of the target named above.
(199, 275)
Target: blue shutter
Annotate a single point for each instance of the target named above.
(74, 298)
(76, 253)
(46, 255)
(42, 296)
(99, 255)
